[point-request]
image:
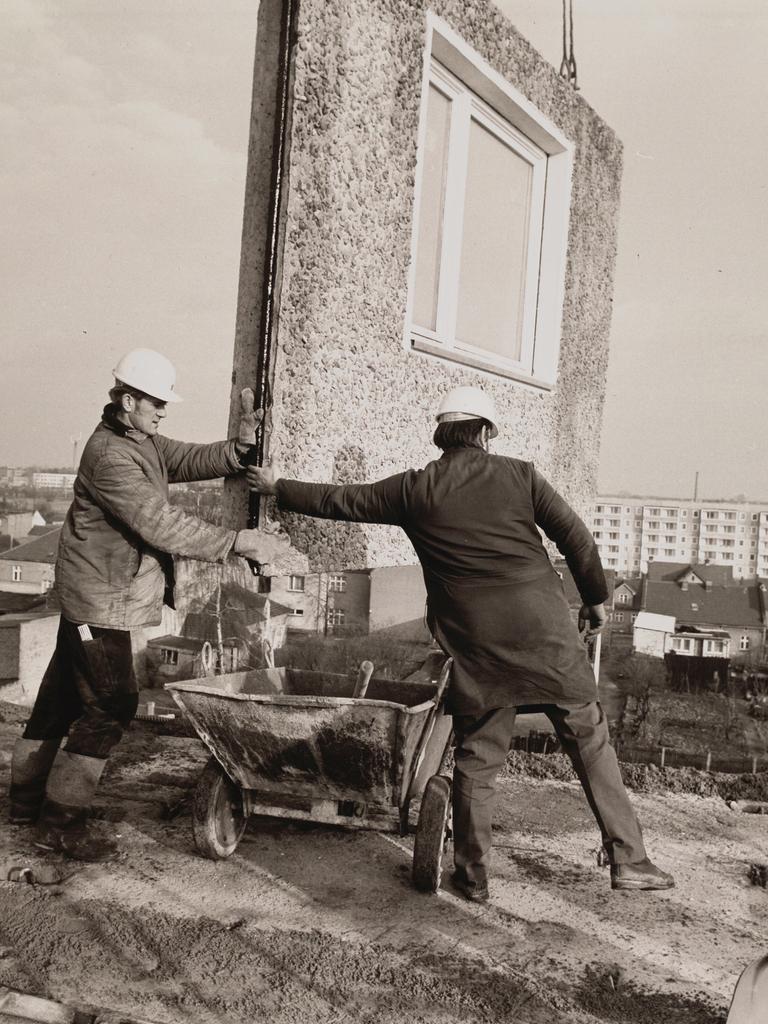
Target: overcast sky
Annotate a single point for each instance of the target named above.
(122, 162)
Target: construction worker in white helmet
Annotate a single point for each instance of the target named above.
(498, 608)
(114, 569)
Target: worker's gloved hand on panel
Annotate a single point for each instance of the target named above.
(262, 479)
(262, 546)
(250, 418)
(593, 617)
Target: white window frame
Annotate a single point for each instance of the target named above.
(337, 583)
(16, 574)
(450, 64)
(294, 587)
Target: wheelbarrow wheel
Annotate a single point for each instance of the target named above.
(218, 816)
(431, 833)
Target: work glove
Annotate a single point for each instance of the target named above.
(250, 419)
(262, 546)
(262, 479)
(592, 618)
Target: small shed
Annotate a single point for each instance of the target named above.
(651, 632)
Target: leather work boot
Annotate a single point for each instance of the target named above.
(643, 875)
(63, 825)
(472, 891)
(30, 764)
(72, 836)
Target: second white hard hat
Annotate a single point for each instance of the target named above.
(468, 403)
(150, 372)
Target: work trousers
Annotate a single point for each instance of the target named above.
(482, 745)
(89, 691)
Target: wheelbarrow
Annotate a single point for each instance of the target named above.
(296, 744)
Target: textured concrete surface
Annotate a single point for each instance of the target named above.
(350, 403)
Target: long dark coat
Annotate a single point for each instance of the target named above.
(496, 604)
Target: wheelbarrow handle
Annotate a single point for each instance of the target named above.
(364, 674)
(443, 679)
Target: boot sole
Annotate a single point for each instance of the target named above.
(632, 886)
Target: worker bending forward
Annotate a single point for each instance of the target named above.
(114, 567)
(498, 608)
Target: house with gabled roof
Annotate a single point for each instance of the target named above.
(626, 604)
(708, 598)
(28, 568)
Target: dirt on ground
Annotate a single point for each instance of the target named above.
(313, 923)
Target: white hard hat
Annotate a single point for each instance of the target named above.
(467, 403)
(148, 371)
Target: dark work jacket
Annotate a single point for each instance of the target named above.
(496, 604)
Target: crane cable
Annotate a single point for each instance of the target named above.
(568, 63)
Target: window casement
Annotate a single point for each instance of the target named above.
(170, 656)
(296, 583)
(337, 583)
(491, 221)
(744, 642)
(16, 574)
(336, 617)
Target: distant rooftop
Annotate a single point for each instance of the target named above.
(39, 549)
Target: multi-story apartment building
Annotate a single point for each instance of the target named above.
(53, 480)
(631, 532)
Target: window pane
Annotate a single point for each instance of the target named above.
(431, 204)
(494, 245)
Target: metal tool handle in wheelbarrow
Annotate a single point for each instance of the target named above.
(429, 725)
(364, 674)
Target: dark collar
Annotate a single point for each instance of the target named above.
(450, 452)
(110, 420)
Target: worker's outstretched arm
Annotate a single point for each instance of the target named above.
(380, 502)
(574, 541)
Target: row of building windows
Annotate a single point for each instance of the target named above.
(337, 584)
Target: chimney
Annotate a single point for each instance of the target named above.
(644, 592)
(684, 584)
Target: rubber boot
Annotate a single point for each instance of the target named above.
(63, 824)
(30, 765)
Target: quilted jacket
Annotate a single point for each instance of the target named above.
(114, 560)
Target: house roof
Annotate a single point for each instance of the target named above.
(236, 623)
(176, 643)
(237, 598)
(739, 604)
(40, 531)
(719, 575)
(12, 603)
(39, 549)
(634, 584)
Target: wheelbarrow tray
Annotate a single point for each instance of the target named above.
(297, 740)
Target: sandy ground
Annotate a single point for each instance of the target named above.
(310, 923)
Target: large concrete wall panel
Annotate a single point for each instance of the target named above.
(350, 402)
